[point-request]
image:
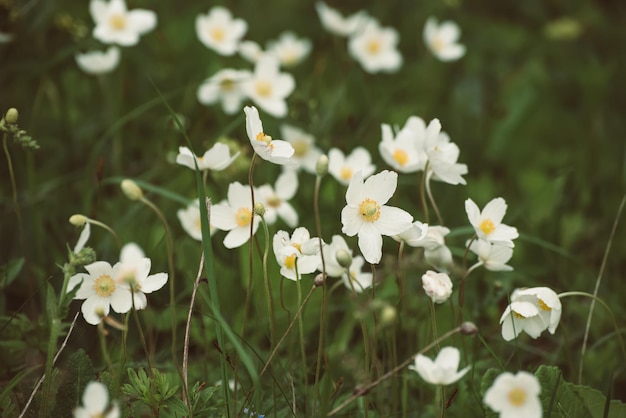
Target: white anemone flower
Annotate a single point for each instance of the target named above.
(250, 51)
(268, 87)
(546, 300)
(522, 316)
(333, 268)
(375, 48)
(101, 291)
(99, 62)
(275, 199)
(216, 158)
(442, 371)
(189, 218)
(488, 222)
(218, 31)
(134, 272)
(442, 156)
(96, 403)
(305, 153)
(358, 281)
(289, 49)
(436, 253)
(515, 396)
(415, 234)
(438, 286)
(117, 25)
(402, 152)
(334, 22)
(442, 40)
(83, 238)
(296, 255)
(235, 216)
(492, 256)
(272, 150)
(367, 216)
(225, 86)
(343, 167)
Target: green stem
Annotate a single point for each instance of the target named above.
(16, 203)
(301, 333)
(432, 199)
(463, 280)
(46, 399)
(433, 318)
(423, 195)
(266, 281)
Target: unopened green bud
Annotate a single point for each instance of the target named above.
(78, 220)
(259, 208)
(344, 258)
(85, 256)
(131, 189)
(11, 116)
(388, 315)
(321, 167)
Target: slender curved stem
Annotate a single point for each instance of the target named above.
(432, 199)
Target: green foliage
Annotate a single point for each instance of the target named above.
(9, 271)
(157, 392)
(78, 371)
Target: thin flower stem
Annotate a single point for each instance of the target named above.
(107, 228)
(597, 287)
(301, 334)
(250, 276)
(432, 199)
(266, 280)
(433, 318)
(464, 279)
(103, 346)
(423, 195)
(171, 279)
(399, 275)
(362, 390)
(16, 203)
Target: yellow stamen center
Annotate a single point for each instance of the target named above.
(369, 210)
(117, 21)
(438, 44)
(300, 147)
(401, 157)
(104, 286)
(227, 84)
(263, 138)
(274, 201)
(218, 34)
(243, 216)
(346, 173)
(297, 246)
(290, 261)
(263, 88)
(373, 46)
(543, 306)
(487, 226)
(517, 397)
(518, 315)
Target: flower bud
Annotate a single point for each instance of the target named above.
(319, 280)
(388, 315)
(321, 167)
(11, 116)
(78, 219)
(469, 328)
(344, 258)
(131, 189)
(259, 208)
(437, 286)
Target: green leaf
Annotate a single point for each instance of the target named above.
(51, 302)
(9, 271)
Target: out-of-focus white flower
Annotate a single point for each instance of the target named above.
(215, 158)
(235, 216)
(96, 403)
(275, 199)
(226, 86)
(488, 222)
(442, 371)
(268, 87)
(272, 150)
(442, 39)
(522, 316)
(436, 253)
(492, 256)
(367, 215)
(546, 300)
(101, 291)
(300, 252)
(343, 167)
(98, 62)
(218, 31)
(375, 48)
(306, 153)
(250, 51)
(335, 23)
(416, 233)
(402, 152)
(442, 156)
(333, 268)
(289, 49)
(117, 25)
(133, 270)
(5, 38)
(190, 220)
(437, 286)
(357, 280)
(515, 396)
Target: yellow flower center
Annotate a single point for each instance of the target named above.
(104, 286)
(369, 210)
(487, 226)
(438, 44)
(117, 21)
(401, 157)
(518, 315)
(263, 88)
(273, 201)
(290, 261)
(543, 306)
(243, 216)
(300, 147)
(263, 138)
(373, 46)
(227, 84)
(297, 246)
(517, 397)
(218, 34)
(346, 173)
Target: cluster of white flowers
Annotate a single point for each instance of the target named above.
(118, 287)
